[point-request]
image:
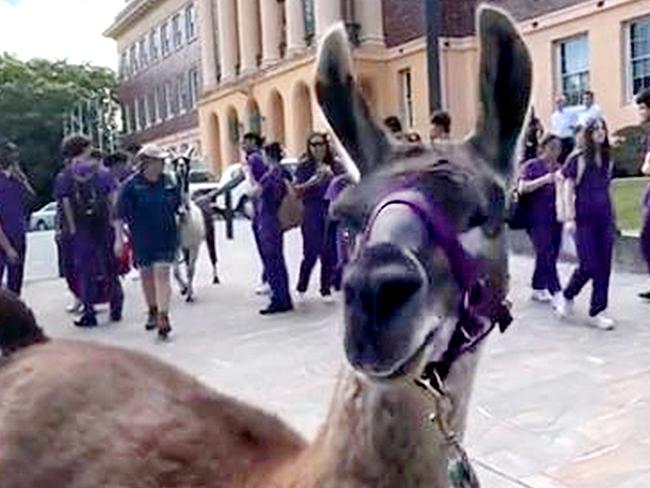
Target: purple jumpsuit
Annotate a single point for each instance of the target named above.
(313, 229)
(544, 230)
(94, 263)
(335, 230)
(258, 168)
(270, 236)
(594, 232)
(645, 232)
(13, 219)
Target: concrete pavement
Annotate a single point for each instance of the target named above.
(556, 405)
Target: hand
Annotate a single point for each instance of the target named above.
(570, 226)
(118, 247)
(558, 176)
(12, 255)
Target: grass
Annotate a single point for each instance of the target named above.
(627, 201)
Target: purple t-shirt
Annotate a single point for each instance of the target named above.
(13, 208)
(646, 196)
(541, 202)
(592, 191)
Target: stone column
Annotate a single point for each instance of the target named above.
(249, 35)
(327, 12)
(227, 39)
(271, 13)
(208, 52)
(295, 26)
(370, 16)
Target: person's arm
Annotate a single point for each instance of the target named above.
(118, 225)
(6, 246)
(68, 214)
(529, 186)
(22, 178)
(645, 168)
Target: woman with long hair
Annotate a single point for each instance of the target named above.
(313, 177)
(589, 174)
(537, 186)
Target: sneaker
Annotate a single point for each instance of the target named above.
(645, 296)
(327, 297)
(75, 307)
(275, 308)
(164, 326)
(152, 319)
(263, 289)
(602, 322)
(541, 296)
(86, 321)
(564, 307)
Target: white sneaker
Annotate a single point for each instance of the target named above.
(563, 307)
(541, 296)
(602, 322)
(263, 289)
(329, 299)
(74, 307)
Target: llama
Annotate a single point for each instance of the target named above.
(191, 230)
(426, 285)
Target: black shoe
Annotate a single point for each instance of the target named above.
(87, 321)
(275, 308)
(116, 314)
(152, 319)
(645, 295)
(164, 327)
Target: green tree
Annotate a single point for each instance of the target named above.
(36, 100)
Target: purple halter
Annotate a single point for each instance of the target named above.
(483, 306)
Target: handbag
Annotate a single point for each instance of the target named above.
(292, 210)
(517, 213)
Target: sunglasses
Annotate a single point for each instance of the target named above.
(317, 144)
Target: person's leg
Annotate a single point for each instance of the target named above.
(584, 272)
(89, 291)
(258, 244)
(162, 272)
(604, 249)
(274, 263)
(3, 265)
(553, 280)
(149, 290)
(117, 299)
(211, 243)
(539, 239)
(328, 258)
(645, 248)
(313, 229)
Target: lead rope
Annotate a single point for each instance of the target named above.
(460, 472)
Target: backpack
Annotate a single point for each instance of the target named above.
(90, 206)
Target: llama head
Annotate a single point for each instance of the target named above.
(403, 290)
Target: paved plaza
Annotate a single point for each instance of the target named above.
(556, 404)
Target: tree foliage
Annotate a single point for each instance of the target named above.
(628, 151)
(35, 99)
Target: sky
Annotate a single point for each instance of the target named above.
(59, 29)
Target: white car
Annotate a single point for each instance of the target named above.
(201, 181)
(44, 218)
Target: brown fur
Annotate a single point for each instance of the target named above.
(18, 327)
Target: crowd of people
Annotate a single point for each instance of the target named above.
(564, 183)
(122, 210)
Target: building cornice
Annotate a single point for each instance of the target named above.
(135, 10)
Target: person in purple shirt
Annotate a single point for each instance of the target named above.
(337, 232)
(589, 173)
(643, 103)
(119, 166)
(537, 183)
(15, 192)
(272, 190)
(88, 192)
(254, 168)
(313, 177)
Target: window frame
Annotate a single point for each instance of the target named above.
(407, 108)
(177, 32)
(560, 76)
(134, 62)
(629, 76)
(143, 53)
(190, 21)
(154, 48)
(165, 39)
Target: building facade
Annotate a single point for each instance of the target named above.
(258, 64)
(576, 45)
(159, 72)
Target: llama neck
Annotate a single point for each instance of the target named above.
(380, 435)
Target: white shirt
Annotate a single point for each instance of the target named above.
(563, 122)
(586, 115)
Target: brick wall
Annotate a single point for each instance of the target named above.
(459, 21)
(404, 20)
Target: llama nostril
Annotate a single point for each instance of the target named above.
(393, 292)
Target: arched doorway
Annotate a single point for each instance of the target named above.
(234, 136)
(276, 118)
(214, 144)
(253, 117)
(302, 115)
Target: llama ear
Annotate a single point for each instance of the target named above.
(505, 86)
(343, 105)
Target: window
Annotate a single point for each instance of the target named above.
(183, 93)
(573, 68)
(144, 55)
(406, 98)
(190, 22)
(639, 56)
(177, 31)
(124, 65)
(174, 94)
(153, 46)
(152, 108)
(142, 113)
(126, 118)
(134, 59)
(161, 95)
(310, 19)
(165, 42)
(193, 76)
(133, 117)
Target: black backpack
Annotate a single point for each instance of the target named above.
(90, 207)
